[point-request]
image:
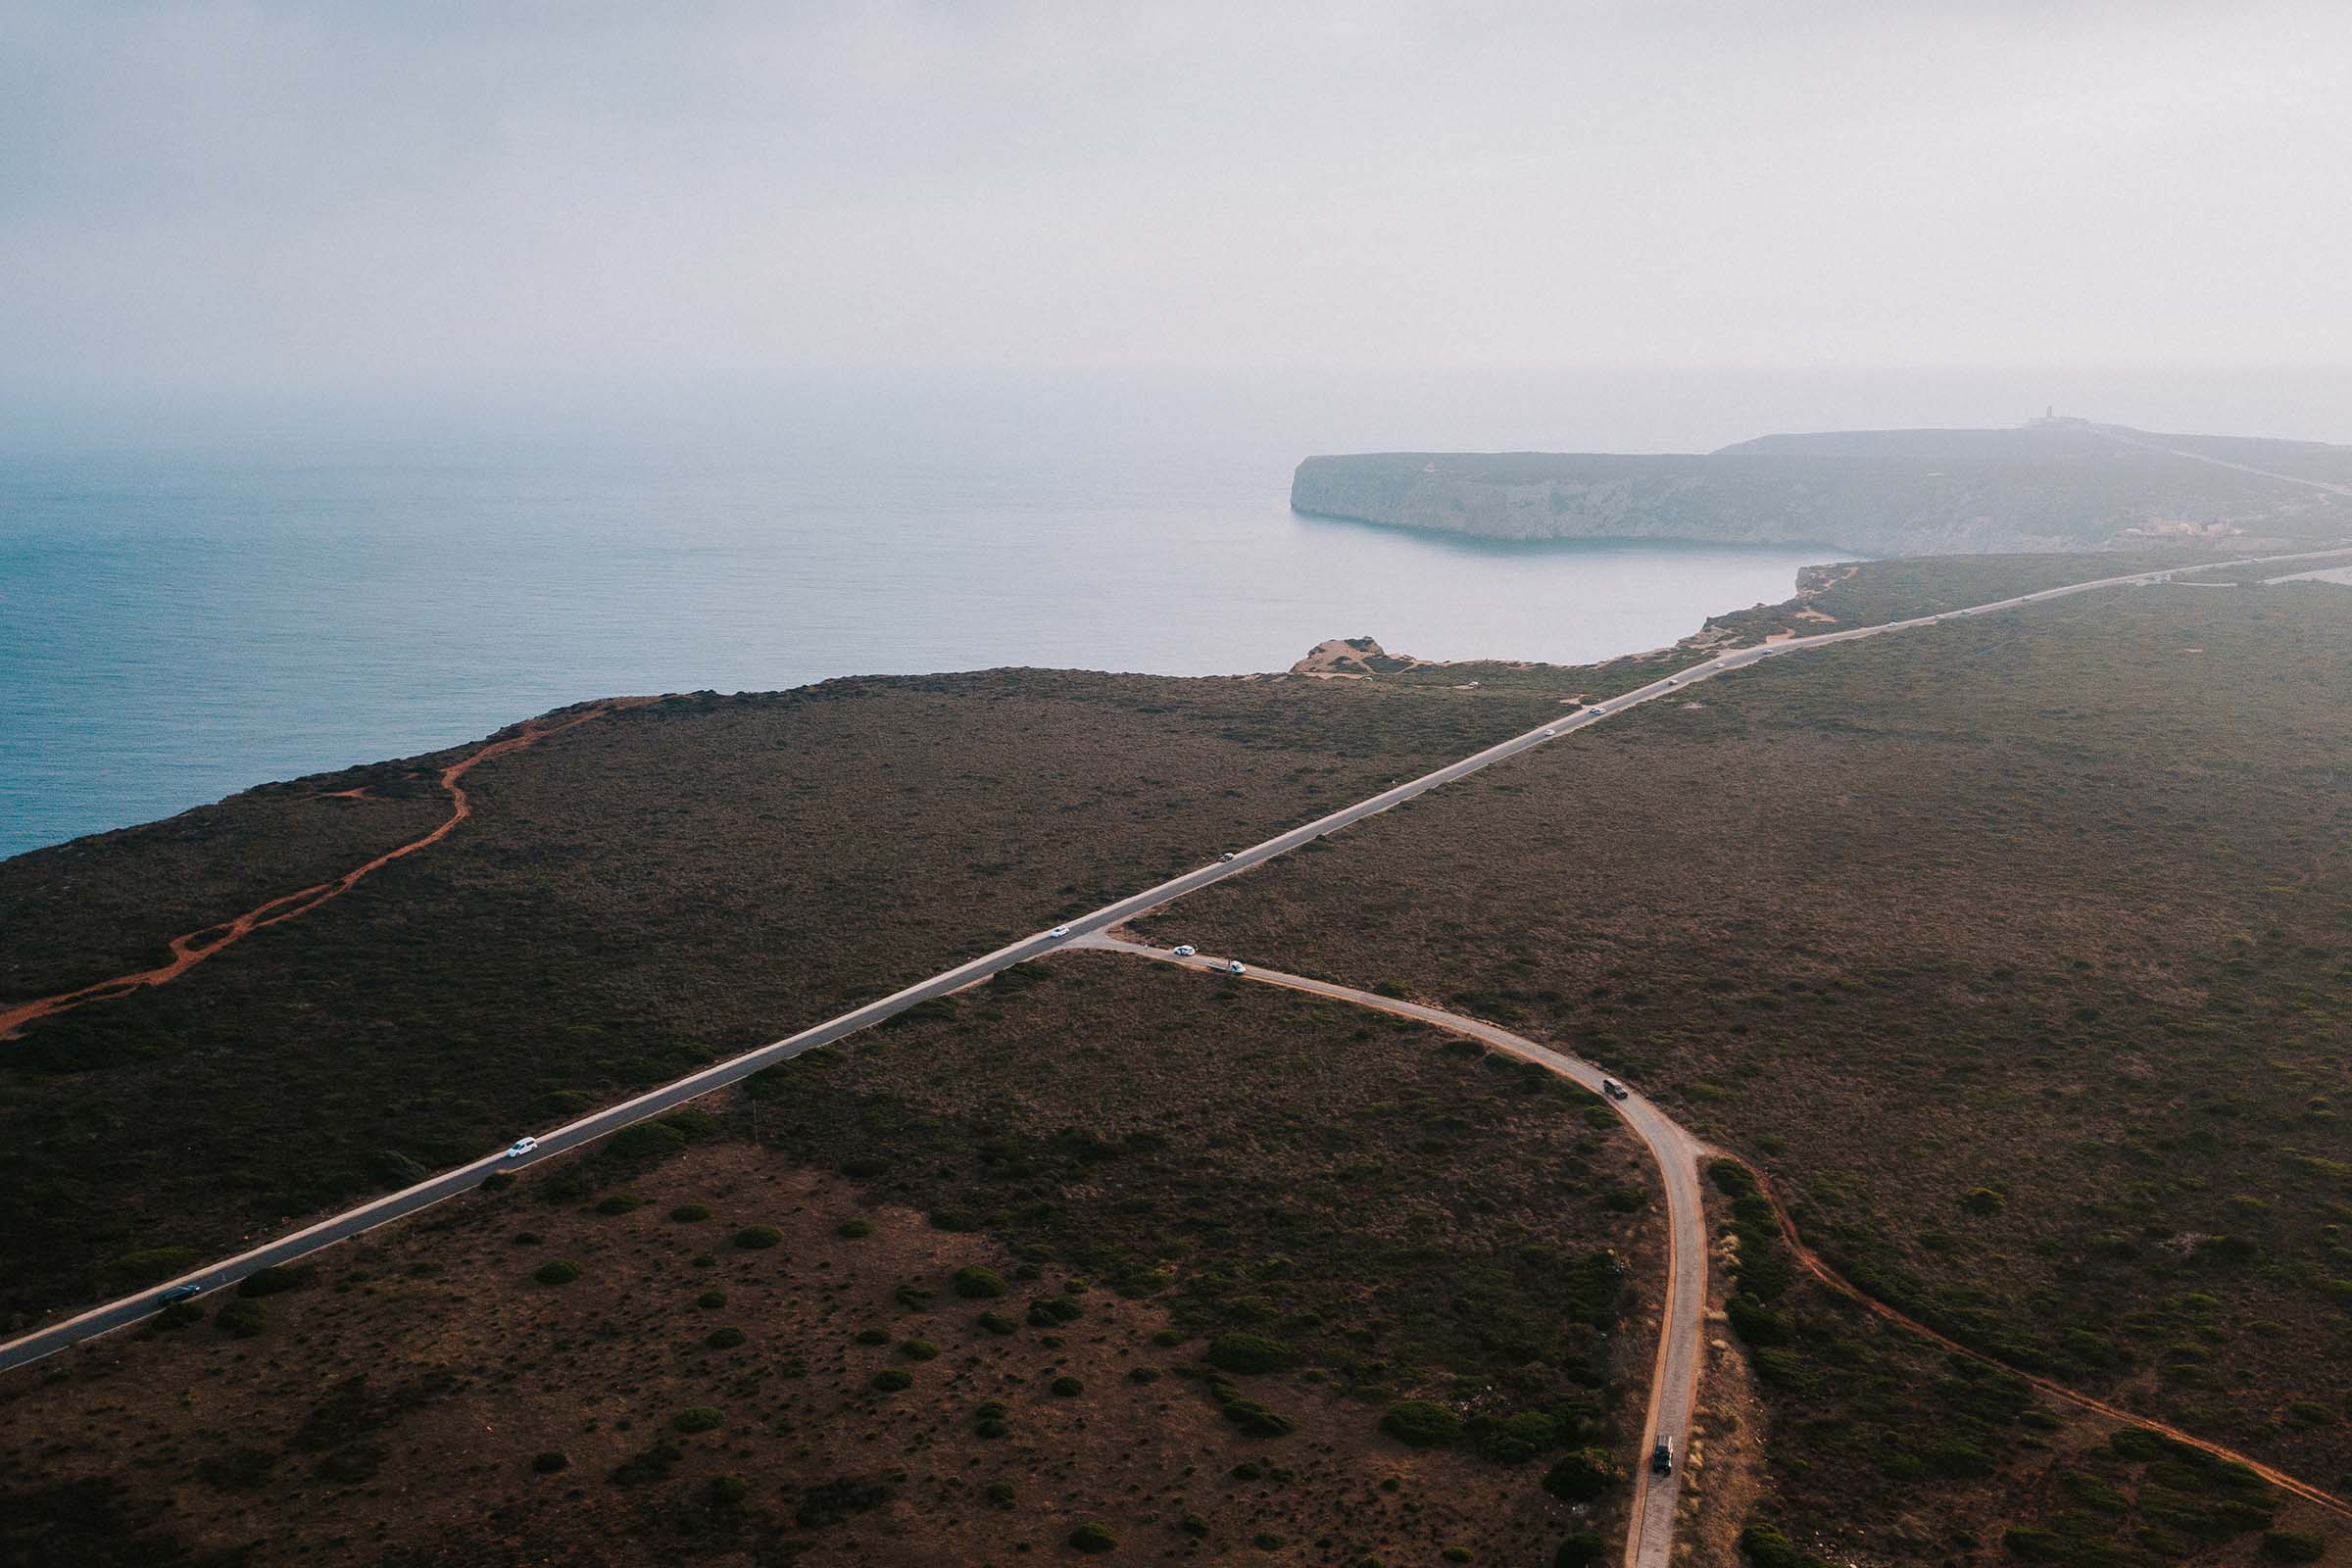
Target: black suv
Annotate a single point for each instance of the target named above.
(1661, 1458)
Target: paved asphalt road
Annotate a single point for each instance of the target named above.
(1674, 1384)
(132, 1308)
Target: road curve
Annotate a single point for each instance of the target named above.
(55, 1337)
(1674, 1380)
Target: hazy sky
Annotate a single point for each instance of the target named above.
(455, 193)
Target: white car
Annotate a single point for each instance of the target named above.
(1233, 966)
(1185, 950)
(1227, 856)
(1549, 733)
(1612, 1087)
(521, 1147)
(1059, 931)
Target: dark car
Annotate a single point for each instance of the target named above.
(181, 1293)
(1612, 1087)
(1661, 1458)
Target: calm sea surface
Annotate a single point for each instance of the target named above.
(176, 626)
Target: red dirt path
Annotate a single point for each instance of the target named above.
(1819, 1270)
(195, 946)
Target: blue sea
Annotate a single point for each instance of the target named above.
(182, 616)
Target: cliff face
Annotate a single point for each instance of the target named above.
(1889, 493)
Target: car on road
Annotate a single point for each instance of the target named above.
(1059, 931)
(1612, 1087)
(1549, 733)
(1233, 966)
(1227, 856)
(1661, 1457)
(1185, 950)
(521, 1147)
(181, 1293)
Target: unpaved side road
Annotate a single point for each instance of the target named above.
(1674, 1383)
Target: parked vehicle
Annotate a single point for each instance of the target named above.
(1059, 931)
(1227, 856)
(1612, 1087)
(521, 1147)
(1661, 1458)
(1233, 966)
(1185, 950)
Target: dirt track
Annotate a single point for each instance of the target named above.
(1814, 1265)
(194, 947)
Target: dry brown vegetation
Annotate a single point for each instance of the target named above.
(1149, 1165)
(668, 884)
(2015, 949)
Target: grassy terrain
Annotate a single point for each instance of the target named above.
(106, 904)
(2015, 949)
(1098, 1244)
(1872, 593)
(632, 898)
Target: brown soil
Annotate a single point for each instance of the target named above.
(390, 1411)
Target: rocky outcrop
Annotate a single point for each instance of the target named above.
(1352, 658)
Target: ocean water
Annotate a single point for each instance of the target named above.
(178, 622)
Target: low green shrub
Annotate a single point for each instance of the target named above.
(918, 1350)
(997, 1323)
(854, 1230)
(725, 1339)
(712, 1301)
(1093, 1538)
(241, 1319)
(644, 1141)
(1582, 1476)
(145, 1266)
(1246, 1353)
(692, 1123)
(1256, 1420)
(729, 1489)
(558, 1271)
(893, 1380)
(757, 1237)
(977, 1284)
(620, 1203)
(960, 1221)
(1068, 1388)
(1421, 1424)
(2292, 1546)
(1580, 1551)
(691, 1213)
(997, 1494)
(277, 1279)
(696, 1418)
(550, 1461)
(1514, 1439)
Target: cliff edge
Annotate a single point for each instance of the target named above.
(2052, 485)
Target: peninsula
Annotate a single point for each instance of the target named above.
(2053, 485)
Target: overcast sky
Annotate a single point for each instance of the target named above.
(280, 195)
